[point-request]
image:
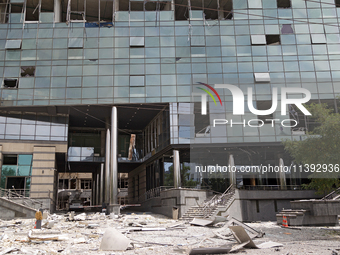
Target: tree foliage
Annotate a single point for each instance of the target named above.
(320, 146)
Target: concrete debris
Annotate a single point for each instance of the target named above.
(46, 237)
(154, 234)
(254, 232)
(80, 217)
(213, 250)
(201, 222)
(114, 241)
(48, 224)
(243, 238)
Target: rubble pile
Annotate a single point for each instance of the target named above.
(98, 233)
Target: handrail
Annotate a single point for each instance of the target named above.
(12, 193)
(329, 196)
(271, 187)
(217, 200)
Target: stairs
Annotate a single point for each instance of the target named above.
(215, 206)
(10, 209)
(14, 205)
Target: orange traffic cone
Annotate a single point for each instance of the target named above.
(284, 221)
(35, 224)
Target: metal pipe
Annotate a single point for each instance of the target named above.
(101, 192)
(107, 167)
(114, 163)
(177, 169)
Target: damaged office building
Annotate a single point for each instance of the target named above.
(115, 101)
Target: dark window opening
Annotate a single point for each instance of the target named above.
(275, 205)
(287, 29)
(106, 11)
(27, 71)
(123, 5)
(257, 206)
(10, 160)
(181, 10)
(92, 10)
(264, 105)
(227, 9)
(85, 184)
(337, 3)
(47, 6)
(32, 10)
(77, 10)
(210, 10)
(273, 39)
(3, 11)
(10, 83)
(63, 184)
(136, 6)
(202, 122)
(283, 4)
(17, 183)
(158, 6)
(16, 8)
(73, 184)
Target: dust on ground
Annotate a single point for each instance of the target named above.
(167, 236)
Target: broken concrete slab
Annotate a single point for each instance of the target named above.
(114, 241)
(253, 231)
(201, 222)
(241, 236)
(212, 250)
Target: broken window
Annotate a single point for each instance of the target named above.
(226, 9)
(13, 44)
(337, 3)
(63, 184)
(258, 39)
(283, 4)
(27, 71)
(75, 10)
(32, 10)
(287, 29)
(158, 6)
(262, 106)
(181, 10)
(318, 38)
(10, 83)
(17, 7)
(273, 39)
(4, 11)
(262, 77)
(136, 41)
(106, 11)
(136, 5)
(10, 160)
(85, 184)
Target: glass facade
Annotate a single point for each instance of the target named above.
(162, 57)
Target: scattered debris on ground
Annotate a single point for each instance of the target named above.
(147, 233)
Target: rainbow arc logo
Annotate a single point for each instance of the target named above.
(209, 93)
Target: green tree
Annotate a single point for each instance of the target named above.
(321, 146)
(185, 177)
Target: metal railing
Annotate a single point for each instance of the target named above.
(271, 187)
(220, 199)
(335, 194)
(20, 196)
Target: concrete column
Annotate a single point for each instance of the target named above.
(107, 168)
(98, 188)
(232, 176)
(114, 163)
(282, 175)
(57, 10)
(177, 169)
(101, 191)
